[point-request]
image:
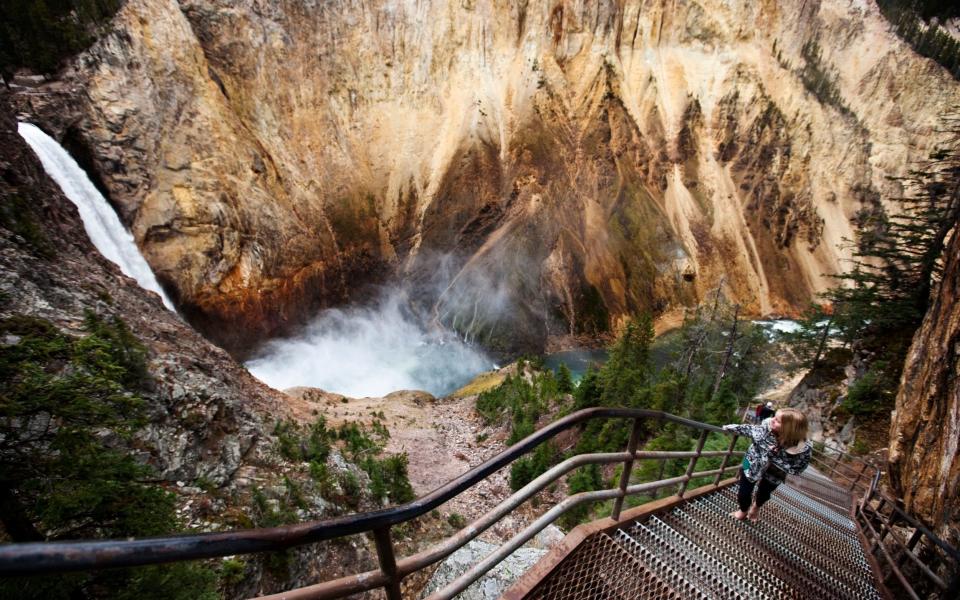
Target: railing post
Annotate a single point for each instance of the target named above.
(863, 467)
(953, 587)
(663, 467)
(726, 458)
(388, 564)
(836, 461)
(912, 542)
(870, 491)
(627, 469)
(693, 463)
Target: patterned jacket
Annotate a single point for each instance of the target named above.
(765, 451)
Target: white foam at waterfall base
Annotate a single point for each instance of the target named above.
(370, 352)
(100, 221)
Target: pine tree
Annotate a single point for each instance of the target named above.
(899, 257)
(564, 379)
(66, 407)
(897, 265)
(628, 370)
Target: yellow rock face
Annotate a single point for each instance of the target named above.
(533, 169)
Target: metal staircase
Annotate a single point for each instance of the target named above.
(830, 533)
(802, 547)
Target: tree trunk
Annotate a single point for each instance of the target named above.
(729, 353)
(15, 520)
(823, 343)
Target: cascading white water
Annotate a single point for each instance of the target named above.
(370, 351)
(359, 352)
(99, 219)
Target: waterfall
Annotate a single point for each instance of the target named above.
(370, 350)
(99, 219)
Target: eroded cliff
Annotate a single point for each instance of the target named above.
(207, 430)
(925, 429)
(535, 169)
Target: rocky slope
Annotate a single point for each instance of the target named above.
(209, 424)
(51, 270)
(925, 430)
(535, 170)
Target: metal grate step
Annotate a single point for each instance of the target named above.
(802, 547)
(801, 561)
(602, 569)
(695, 562)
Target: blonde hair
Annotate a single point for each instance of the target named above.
(793, 427)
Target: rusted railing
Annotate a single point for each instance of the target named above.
(931, 564)
(19, 559)
(921, 566)
(855, 471)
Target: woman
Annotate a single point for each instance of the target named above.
(779, 447)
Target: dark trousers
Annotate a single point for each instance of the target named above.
(745, 492)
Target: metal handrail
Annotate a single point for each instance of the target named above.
(824, 451)
(570, 502)
(865, 515)
(855, 482)
(865, 478)
(31, 558)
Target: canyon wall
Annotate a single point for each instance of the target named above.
(535, 170)
(925, 429)
(208, 430)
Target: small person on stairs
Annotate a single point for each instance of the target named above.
(779, 447)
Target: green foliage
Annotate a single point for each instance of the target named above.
(522, 399)
(872, 393)
(357, 441)
(623, 381)
(564, 379)
(232, 571)
(585, 479)
(456, 520)
(271, 514)
(39, 34)
(911, 21)
(66, 405)
(708, 368)
(350, 485)
(690, 382)
(294, 493)
(179, 581)
(809, 341)
(589, 391)
(320, 474)
(627, 370)
(113, 350)
(309, 445)
(898, 259)
(389, 478)
(673, 439)
(818, 80)
(267, 513)
(362, 444)
(526, 469)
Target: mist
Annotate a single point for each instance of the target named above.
(370, 351)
